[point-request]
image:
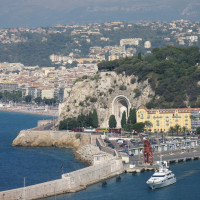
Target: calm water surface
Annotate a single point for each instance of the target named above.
(35, 164)
(133, 187)
(43, 164)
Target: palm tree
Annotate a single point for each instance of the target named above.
(184, 129)
(177, 128)
(171, 129)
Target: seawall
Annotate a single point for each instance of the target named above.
(70, 182)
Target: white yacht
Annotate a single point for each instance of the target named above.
(162, 177)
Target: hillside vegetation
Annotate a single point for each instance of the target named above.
(173, 72)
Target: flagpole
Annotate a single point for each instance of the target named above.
(24, 188)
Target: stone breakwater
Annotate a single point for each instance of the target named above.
(88, 152)
(34, 138)
(70, 182)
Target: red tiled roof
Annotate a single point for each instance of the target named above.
(170, 110)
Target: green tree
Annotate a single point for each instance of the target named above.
(171, 129)
(184, 129)
(198, 130)
(28, 98)
(95, 118)
(81, 120)
(139, 127)
(177, 128)
(192, 117)
(38, 100)
(112, 122)
(123, 120)
(140, 56)
(132, 116)
(128, 127)
(89, 120)
(68, 124)
(16, 96)
(148, 124)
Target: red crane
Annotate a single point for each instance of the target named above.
(148, 153)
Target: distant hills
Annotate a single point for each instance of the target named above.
(31, 14)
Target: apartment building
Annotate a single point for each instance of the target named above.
(163, 119)
(8, 86)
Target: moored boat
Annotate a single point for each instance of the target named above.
(162, 177)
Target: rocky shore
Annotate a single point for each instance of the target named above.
(80, 142)
(35, 138)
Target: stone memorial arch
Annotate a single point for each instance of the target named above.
(120, 104)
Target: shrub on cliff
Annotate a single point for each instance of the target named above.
(122, 87)
(78, 136)
(137, 92)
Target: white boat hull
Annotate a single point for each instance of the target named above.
(155, 185)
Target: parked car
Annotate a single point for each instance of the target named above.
(107, 141)
(133, 141)
(120, 141)
(111, 145)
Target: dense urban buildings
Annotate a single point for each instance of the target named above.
(71, 44)
(44, 82)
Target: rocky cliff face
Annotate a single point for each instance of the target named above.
(51, 138)
(99, 92)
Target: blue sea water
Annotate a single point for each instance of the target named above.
(43, 164)
(133, 187)
(36, 164)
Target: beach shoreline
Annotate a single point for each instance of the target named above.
(30, 110)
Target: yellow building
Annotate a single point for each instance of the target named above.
(47, 93)
(90, 60)
(163, 119)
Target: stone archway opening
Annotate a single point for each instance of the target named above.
(120, 104)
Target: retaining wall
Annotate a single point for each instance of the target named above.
(104, 148)
(44, 122)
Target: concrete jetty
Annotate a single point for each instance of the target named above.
(70, 182)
